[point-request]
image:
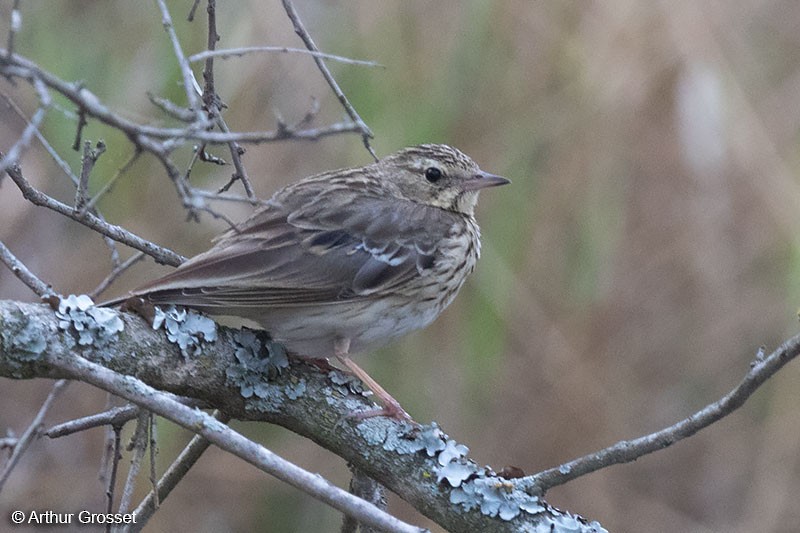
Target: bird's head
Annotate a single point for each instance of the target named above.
(437, 175)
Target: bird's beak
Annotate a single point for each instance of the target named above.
(483, 180)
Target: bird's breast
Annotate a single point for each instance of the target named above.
(458, 255)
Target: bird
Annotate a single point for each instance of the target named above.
(345, 261)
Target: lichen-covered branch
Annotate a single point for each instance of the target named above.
(228, 369)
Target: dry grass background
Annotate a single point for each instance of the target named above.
(648, 245)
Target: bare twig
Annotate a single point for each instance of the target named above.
(186, 69)
(91, 104)
(221, 216)
(82, 182)
(153, 452)
(176, 472)
(82, 123)
(33, 431)
(138, 445)
(90, 157)
(629, 450)
(214, 106)
(299, 28)
(192, 11)
(221, 196)
(170, 108)
(113, 180)
(19, 269)
(240, 174)
(63, 165)
(160, 254)
(12, 156)
(114, 274)
(78, 182)
(367, 489)
(209, 92)
(14, 26)
(227, 53)
(117, 416)
(114, 458)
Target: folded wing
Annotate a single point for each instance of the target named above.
(317, 245)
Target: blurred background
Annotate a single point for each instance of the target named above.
(648, 246)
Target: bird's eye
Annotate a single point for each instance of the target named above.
(433, 174)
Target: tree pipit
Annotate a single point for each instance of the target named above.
(345, 261)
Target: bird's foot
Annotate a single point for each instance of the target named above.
(391, 409)
(320, 363)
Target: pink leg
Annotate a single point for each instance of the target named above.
(391, 407)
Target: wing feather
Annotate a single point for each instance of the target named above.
(310, 245)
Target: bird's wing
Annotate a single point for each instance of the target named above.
(310, 248)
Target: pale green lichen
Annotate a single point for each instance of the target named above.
(90, 325)
(21, 339)
(346, 383)
(472, 487)
(481, 488)
(406, 439)
(188, 329)
(259, 360)
(28, 342)
(475, 487)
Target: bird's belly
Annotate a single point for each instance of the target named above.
(312, 331)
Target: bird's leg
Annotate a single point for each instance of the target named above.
(391, 407)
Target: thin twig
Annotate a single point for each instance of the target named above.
(63, 165)
(629, 450)
(214, 105)
(210, 97)
(190, 17)
(209, 195)
(14, 27)
(12, 156)
(114, 458)
(82, 123)
(227, 53)
(367, 489)
(91, 104)
(32, 431)
(27, 277)
(160, 254)
(300, 30)
(117, 416)
(240, 174)
(113, 180)
(138, 445)
(174, 474)
(153, 453)
(114, 274)
(186, 69)
(89, 159)
(170, 108)
(78, 182)
(218, 215)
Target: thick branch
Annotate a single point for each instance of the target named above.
(318, 411)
